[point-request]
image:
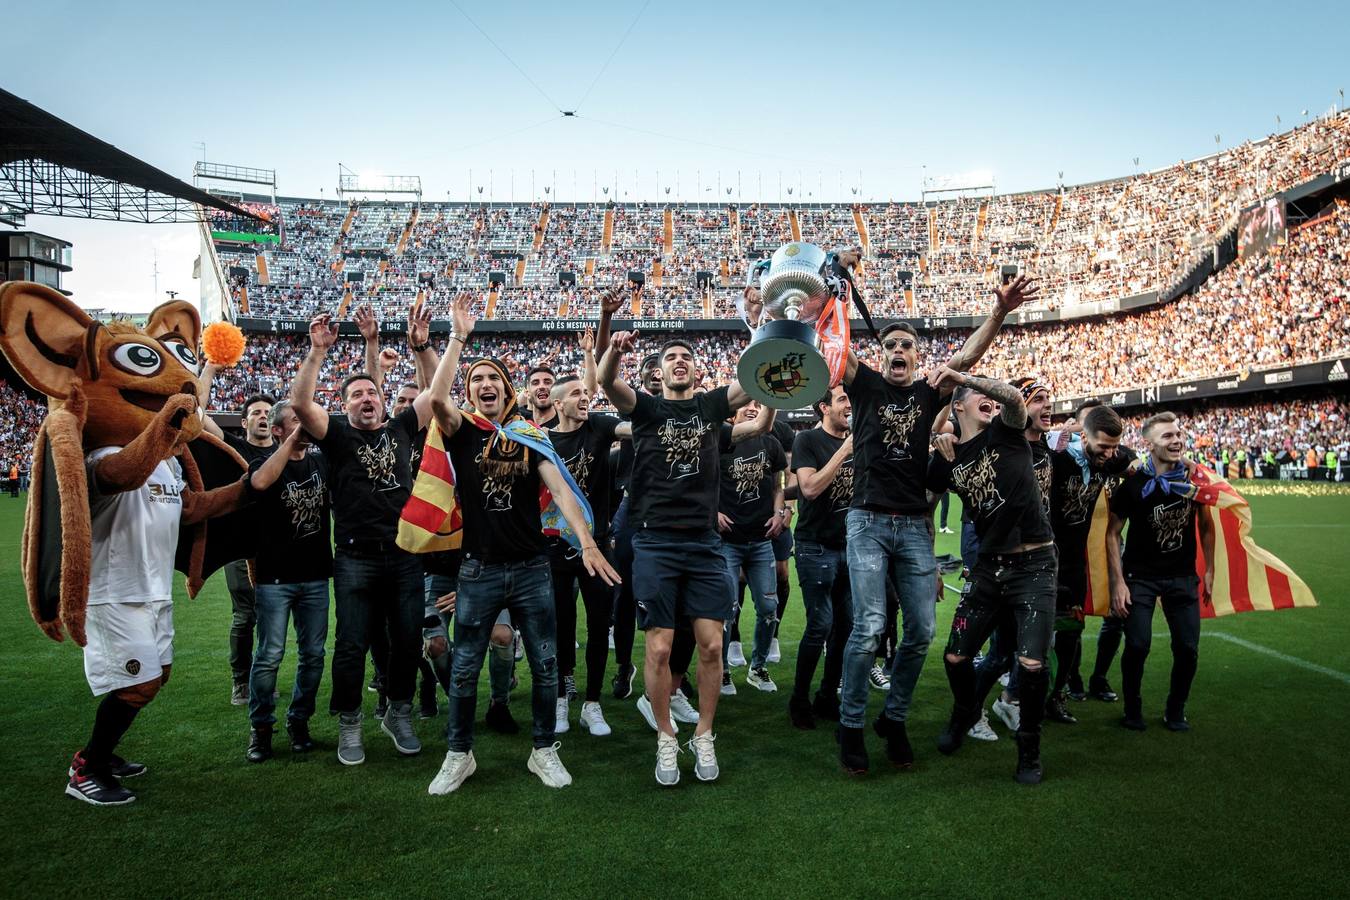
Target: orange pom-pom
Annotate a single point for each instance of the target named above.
(223, 343)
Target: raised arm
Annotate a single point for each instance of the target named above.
(611, 301)
(760, 424)
(588, 370)
(813, 482)
(620, 394)
(1007, 298)
(267, 474)
(323, 333)
(443, 407)
(369, 326)
(425, 359)
(1014, 412)
(591, 557)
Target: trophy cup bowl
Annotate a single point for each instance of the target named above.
(782, 367)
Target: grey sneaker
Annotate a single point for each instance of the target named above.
(351, 752)
(705, 756)
(397, 723)
(457, 767)
(667, 760)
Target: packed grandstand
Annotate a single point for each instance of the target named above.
(1142, 282)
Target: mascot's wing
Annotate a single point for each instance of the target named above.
(205, 547)
(56, 536)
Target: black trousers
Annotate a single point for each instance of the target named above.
(1181, 606)
(569, 575)
(243, 619)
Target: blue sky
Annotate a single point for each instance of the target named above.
(828, 97)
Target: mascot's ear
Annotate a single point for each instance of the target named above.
(43, 335)
(178, 316)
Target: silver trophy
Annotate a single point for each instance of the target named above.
(783, 367)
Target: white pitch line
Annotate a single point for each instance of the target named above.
(1283, 657)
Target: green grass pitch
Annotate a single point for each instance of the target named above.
(1251, 802)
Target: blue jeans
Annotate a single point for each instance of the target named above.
(526, 589)
(307, 601)
(822, 573)
(882, 546)
(761, 575)
(374, 592)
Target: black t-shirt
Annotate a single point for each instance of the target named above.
(784, 433)
(1040, 467)
(250, 452)
(586, 453)
(1072, 502)
(748, 472)
(822, 520)
(293, 540)
(370, 476)
(548, 420)
(1160, 542)
(994, 477)
(675, 464)
(501, 515)
(891, 428)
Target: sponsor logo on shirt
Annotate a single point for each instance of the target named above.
(304, 501)
(682, 440)
(381, 461)
(165, 493)
(897, 423)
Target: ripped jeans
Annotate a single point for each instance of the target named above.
(526, 589)
(760, 574)
(899, 548)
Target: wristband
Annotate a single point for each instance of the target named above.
(418, 348)
(459, 337)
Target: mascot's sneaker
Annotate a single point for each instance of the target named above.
(98, 788)
(120, 767)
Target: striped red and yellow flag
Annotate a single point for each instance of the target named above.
(431, 519)
(1246, 576)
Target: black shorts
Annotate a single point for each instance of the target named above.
(680, 576)
(782, 546)
(1018, 584)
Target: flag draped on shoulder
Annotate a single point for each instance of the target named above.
(431, 519)
(1246, 576)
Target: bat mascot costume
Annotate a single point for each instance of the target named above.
(123, 484)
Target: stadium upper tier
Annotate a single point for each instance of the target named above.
(1105, 240)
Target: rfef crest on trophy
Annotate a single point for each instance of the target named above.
(783, 366)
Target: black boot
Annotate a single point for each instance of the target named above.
(1100, 689)
(259, 743)
(852, 750)
(1134, 714)
(1028, 758)
(500, 720)
(955, 733)
(1174, 719)
(898, 750)
(826, 706)
(800, 714)
(301, 742)
(1057, 709)
(1076, 689)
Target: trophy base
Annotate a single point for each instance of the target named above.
(782, 367)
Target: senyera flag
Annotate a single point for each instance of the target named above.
(431, 519)
(1246, 576)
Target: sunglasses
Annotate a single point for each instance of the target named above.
(903, 344)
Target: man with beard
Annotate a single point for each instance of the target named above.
(498, 478)
(823, 457)
(889, 526)
(583, 441)
(1015, 574)
(678, 570)
(749, 518)
(539, 388)
(294, 563)
(255, 446)
(1158, 568)
(376, 584)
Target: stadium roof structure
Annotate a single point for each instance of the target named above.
(49, 167)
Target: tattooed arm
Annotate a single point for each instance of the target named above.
(1014, 412)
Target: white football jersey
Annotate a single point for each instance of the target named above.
(135, 535)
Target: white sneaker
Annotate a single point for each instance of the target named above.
(728, 686)
(775, 652)
(945, 530)
(735, 655)
(457, 767)
(1010, 713)
(1005, 678)
(759, 678)
(705, 757)
(644, 706)
(560, 725)
(681, 710)
(611, 637)
(879, 679)
(593, 719)
(545, 763)
(981, 731)
(667, 760)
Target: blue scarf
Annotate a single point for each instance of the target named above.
(1080, 456)
(1174, 482)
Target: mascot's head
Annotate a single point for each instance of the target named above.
(124, 373)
